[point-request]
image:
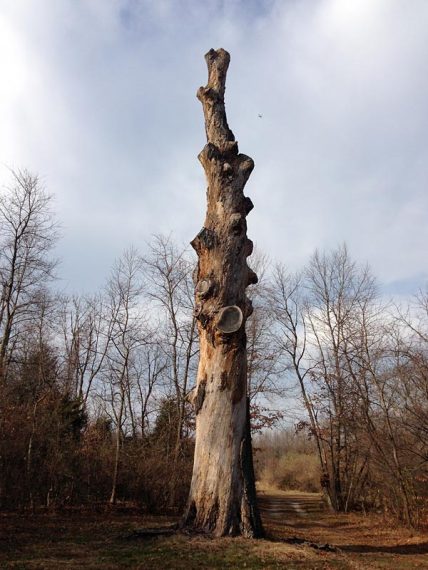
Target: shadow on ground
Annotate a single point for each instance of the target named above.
(406, 549)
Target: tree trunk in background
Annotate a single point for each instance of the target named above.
(222, 497)
(118, 444)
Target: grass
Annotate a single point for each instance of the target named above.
(106, 541)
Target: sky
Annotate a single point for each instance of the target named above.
(97, 97)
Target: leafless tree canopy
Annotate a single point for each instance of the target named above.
(362, 372)
(94, 389)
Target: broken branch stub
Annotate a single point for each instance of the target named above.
(204, 287)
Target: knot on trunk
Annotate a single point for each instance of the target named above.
(222, 151)
(237, 224)
(209, 152)
(204, 288)
(195, 274)
(249, 246)
(252, 278)
(208, 94)
(197, 396)
(246, 167)
(227, 171)
(248, 205)
(249, 309)
(206, 239)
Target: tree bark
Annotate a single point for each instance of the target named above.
(222, 497)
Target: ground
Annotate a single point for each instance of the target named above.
(302, 535)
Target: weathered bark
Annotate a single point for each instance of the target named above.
(222, 497)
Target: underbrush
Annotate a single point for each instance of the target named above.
(287, 461)
(292, 471)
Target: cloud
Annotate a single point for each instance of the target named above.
(99, 98)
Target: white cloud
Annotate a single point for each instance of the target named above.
(98, 96)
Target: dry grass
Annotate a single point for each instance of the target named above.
(364, 541)
(106, 541)
(293, 470)
(265, 487)
(99, 542)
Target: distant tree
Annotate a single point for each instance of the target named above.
(165, 428)
(127, 336)
(85, 333)
(28, 232)
(320, 315)
(287, 294)
(265, 370)
(340, 296)
(149, 366)
(168, 278)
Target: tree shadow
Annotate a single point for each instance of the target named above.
(421, 548)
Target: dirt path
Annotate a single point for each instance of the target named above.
(369, 541)
(277, 505)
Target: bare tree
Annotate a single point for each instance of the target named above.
(127, 337)
(27, 236)
(86, 334)
(149, 367)
(287, 295)
(169, 286)
(339, 291)
(222, 497)
(403, 395)
(36, 372)
(321, 315)
(411, 352)
(266, 373)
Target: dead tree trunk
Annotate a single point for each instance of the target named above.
(222, 497)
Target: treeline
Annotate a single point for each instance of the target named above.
(362, 368)
(94, 389)
(287, 460)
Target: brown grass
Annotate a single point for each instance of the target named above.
(106, 541)
(294, 470)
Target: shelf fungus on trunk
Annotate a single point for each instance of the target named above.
(222, 497)
(229, 319)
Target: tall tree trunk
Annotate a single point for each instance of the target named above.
(222, 497)
(118, 442)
